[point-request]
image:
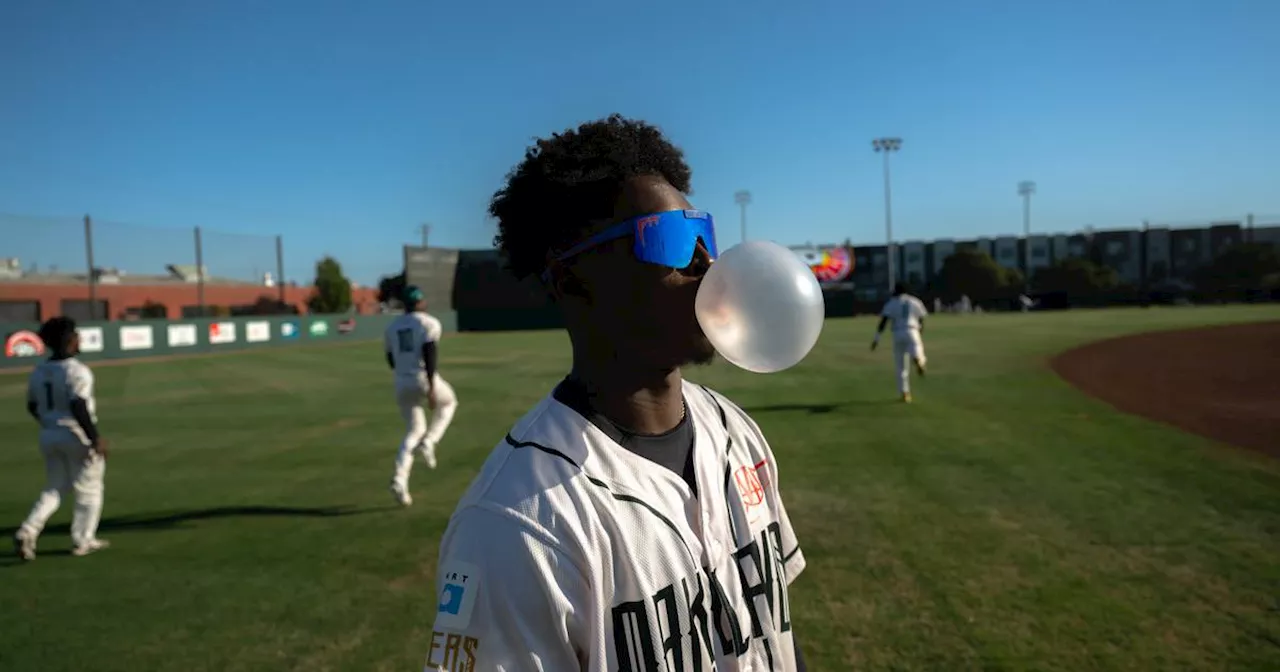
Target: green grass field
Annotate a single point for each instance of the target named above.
(1002, 522)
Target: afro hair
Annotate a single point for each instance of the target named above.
(572, 179)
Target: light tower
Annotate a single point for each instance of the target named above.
(888, 146)
(743, 199)
(1025, 189)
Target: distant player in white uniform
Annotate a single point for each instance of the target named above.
(632, 519)
(907, 314)
(60, 398)
(410, 343)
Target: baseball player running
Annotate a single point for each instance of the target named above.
(907, 314)
(411, 353)
(60, 398)
(632, 519)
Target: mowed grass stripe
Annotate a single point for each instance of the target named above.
(1004, 521)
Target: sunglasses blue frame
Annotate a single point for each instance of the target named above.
(664, 238)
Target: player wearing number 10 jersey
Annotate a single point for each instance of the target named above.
(411, 353)
(60, 398)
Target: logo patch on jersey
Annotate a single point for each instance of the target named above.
(23, 344)
(457, 595)
(750, 489)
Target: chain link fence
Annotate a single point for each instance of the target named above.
(138, 271)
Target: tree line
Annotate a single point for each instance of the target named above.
(1241, 272)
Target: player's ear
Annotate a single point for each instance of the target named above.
(563, 283)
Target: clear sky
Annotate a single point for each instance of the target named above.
(344, 125)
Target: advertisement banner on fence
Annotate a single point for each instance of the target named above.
(347, 326)
(182, 335)
(257, 332)
(222, 332)
(136, 338)
(90, 339)
(23, 344)
(289, 330)
(319, 328)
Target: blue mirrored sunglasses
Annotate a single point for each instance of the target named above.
(663, 238)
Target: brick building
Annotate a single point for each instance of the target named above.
(38, 297)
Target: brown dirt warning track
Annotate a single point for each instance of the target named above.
(1219, 382)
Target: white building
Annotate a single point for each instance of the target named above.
(1039, 253)
(941, 250)
(1159, 262)
(913, 264)
(1005, 251)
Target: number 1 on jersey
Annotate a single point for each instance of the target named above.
(48, 395)
(405, 338)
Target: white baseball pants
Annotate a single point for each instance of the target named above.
(907, 347)
(411, 396)
(70, 466)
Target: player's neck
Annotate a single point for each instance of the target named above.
(643, 401)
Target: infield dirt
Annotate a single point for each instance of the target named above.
(1218, 382)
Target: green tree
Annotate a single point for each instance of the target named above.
(1239, 270)
(390, 287)
(975, 274)
(1079, 280)
(332, 292)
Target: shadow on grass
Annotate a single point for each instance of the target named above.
(175, 519)
(817, 409)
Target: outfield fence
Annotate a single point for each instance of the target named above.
(150, 338)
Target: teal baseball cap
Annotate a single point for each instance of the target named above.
(412, 294)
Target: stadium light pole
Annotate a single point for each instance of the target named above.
(1025, 189)
(743, 199)
(888, 146)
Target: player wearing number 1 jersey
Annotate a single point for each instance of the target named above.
(631, 521)
(412, 355)
(60, 398)
(907, 314)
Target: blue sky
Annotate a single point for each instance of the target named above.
(344, 125)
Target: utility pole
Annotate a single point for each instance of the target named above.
(93, 276)
(425, 229)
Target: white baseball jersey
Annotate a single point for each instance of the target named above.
(569, 552)
(53, 385)
(404, 340)
(905, 311)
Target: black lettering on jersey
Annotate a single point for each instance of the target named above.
(664, 601)
(699, 635)
(774, 536)
(632, 638)
(756, 571)
(726, 619)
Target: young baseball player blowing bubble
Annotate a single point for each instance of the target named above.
(60, 398)
(632, 519)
